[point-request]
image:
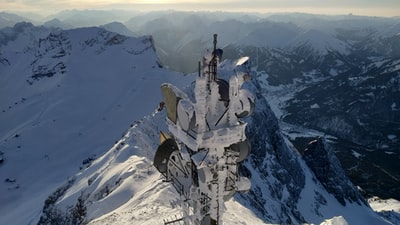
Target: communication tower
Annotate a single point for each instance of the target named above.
(206, 141)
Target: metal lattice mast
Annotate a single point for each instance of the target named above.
(207, 141)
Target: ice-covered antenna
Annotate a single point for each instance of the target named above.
(215, 41)
(214, 61)
(206, 141)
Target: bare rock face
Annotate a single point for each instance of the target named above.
(329, 172)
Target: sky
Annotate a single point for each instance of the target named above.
(386, 8)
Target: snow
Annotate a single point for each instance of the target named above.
(62, 119)
(337, 220)
(321, 42)
(392, 137)
(273, 35)
(356, 154)
(380, 205)
(237, 214)
(333, 72)
(314, 106)
(293, 131)
(394, 106)
(390, 153)
(352, 213)
(140, 196)
(393, 66)
(275, 95)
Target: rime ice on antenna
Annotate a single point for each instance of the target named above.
(206, 141)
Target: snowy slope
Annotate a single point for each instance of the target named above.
(388, 209)
(384, 205)
(123, 187)
(119, 28)
(320, 42)
(269, 34)
(54, 117)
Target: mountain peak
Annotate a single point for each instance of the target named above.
(87, 86)
(328, 170)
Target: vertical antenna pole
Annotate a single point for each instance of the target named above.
(215, 41)
(214, 60)
(199, 69)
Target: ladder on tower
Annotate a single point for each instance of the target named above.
(173, 221)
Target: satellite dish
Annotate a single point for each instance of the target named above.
(171, 100)
(163, 154)
(163, 137)
(171, 96)
(243, 147)
(243, 184)
(247, 103)
(242, 61)
(185, 111)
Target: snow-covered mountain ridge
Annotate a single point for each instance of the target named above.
(53, 118)
(109, 81)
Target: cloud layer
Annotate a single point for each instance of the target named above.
(362, 7)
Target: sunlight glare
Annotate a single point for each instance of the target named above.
(155, 1)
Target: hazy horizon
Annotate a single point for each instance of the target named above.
(384, 8)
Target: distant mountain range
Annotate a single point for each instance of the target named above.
(338, 75)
